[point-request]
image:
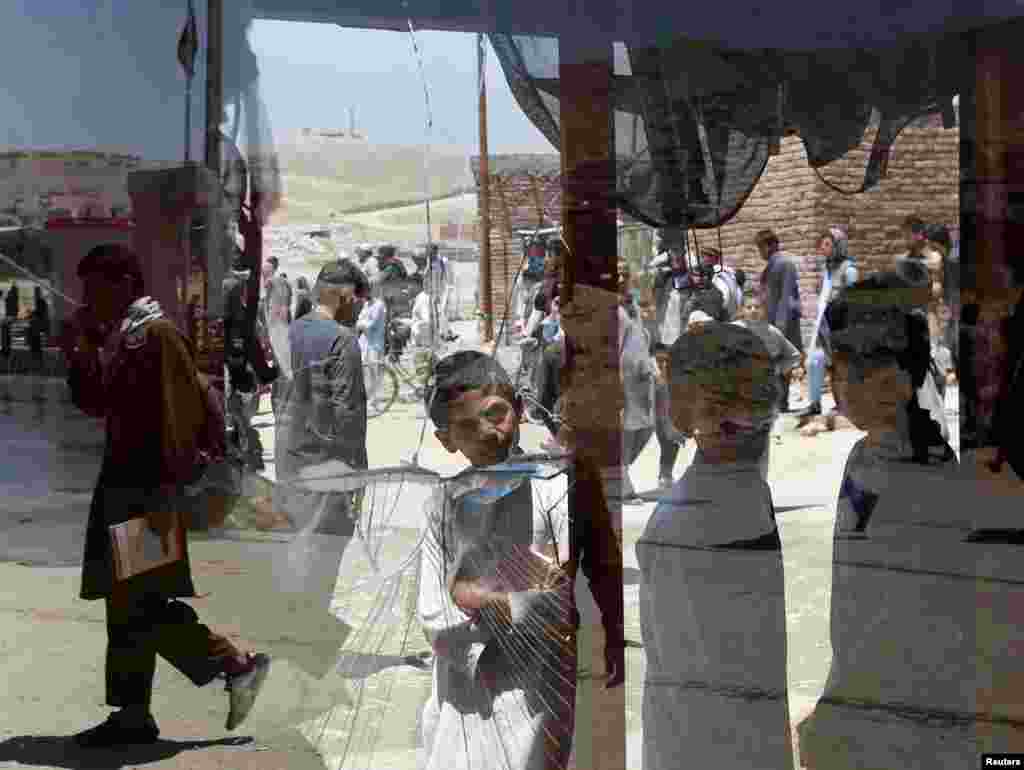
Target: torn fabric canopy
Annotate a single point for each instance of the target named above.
(695, 123)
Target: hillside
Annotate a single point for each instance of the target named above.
(324, 180)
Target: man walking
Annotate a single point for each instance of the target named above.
(372, 328)
(671, 288)
(131, 366)
(246, 365)
(780, 297)
(323, 419)
(439, 275)
(278, 318)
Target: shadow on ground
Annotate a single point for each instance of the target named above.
(61, 751)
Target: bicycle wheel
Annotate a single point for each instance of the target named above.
(380, 393)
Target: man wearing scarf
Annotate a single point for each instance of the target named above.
(839, 273)
(131, 366)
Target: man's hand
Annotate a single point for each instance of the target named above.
(615, 665)
(471, 597)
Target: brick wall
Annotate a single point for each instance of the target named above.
(790, 198)
(525, 193)
(923, 179)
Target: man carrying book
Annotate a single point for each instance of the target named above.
(131, 366)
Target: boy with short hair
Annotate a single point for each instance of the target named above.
(496, 589)
(712, 598)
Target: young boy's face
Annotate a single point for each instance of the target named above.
(482, 425)
(724, 418)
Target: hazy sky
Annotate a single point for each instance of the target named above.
(311, 74)
(104, 73)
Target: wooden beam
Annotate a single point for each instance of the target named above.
(586, 69)
(998, 152)
(214, 82)
(486, 290)
(588, 162)
(508, 283)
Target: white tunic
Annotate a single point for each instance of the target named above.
(714, 625)
(922, 622)
(466, 725)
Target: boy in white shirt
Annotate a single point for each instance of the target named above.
(712, 601)
(496, 590)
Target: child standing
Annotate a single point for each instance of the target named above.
(712, 600)
(919, 609)
(496, 589)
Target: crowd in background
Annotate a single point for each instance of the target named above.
(712, 592)
(394, 309)
(678, 289)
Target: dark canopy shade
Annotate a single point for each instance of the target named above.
(750, 24)
(694, 123)
(703, 92)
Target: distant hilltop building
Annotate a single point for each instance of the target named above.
(351, 134)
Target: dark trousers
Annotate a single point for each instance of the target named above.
(784, 380)
(664, 431)
(547, 373)
(6, 329)
(141, 627)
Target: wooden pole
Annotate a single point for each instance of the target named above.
(588, 163)
(997, 135)
(992, 134)
(589, 217)
(188, 120)
(486, 292)
(215, 245)
(214, 84)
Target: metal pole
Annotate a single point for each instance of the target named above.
(486, 297)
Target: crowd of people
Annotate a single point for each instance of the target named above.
(684, 293)
(496, 599)
(394, 308)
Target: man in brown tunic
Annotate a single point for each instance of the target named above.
(132, 366)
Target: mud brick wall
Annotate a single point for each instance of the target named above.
(923, 179)
(525, 193)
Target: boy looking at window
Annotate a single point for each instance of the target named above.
(496, 590)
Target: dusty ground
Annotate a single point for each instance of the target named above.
(51, 643)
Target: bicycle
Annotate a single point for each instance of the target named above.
(387, 382)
